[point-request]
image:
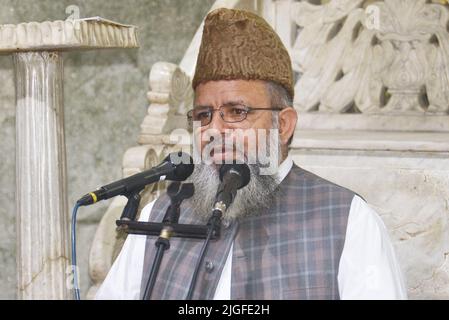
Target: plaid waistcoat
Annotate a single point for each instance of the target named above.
(290, 251)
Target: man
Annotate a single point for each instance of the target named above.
(288, 235)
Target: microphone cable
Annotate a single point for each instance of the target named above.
(73, 240)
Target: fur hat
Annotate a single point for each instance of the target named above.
(238, 44)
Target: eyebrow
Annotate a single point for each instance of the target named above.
(228, 103)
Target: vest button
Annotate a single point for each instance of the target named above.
(209, 266)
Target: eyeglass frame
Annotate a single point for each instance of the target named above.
(212, 110)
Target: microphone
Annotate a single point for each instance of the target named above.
(232, 177)
(177, 166)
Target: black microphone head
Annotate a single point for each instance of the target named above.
(183, 164)
(242, 170)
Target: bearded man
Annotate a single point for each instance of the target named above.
(287, 235)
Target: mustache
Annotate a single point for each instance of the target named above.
(225, 146)
(214, 147)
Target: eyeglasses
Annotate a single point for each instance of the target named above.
(230, 113)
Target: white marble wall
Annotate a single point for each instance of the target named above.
(410, 191)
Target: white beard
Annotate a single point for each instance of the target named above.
(250, 200)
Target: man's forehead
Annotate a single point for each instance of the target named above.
(230, 91)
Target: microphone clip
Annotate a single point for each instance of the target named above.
(129, 213)
(177, 192)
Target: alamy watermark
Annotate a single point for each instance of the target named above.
(372, 17)
(73, 12)
(211, 146)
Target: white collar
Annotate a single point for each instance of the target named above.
(284, 168)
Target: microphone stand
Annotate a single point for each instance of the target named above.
(169, 228)
(213, 230)
(163, 242)
(232, 177)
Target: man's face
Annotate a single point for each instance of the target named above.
(215, 94)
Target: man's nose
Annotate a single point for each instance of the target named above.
(217, 122)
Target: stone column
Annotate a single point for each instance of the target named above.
(43, 264)
(42, 227)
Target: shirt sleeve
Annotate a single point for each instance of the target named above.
(368, 266)
(123, 281)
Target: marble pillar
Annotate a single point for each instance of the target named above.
(42, 219)
(42, 227)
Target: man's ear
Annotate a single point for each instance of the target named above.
(287, 124)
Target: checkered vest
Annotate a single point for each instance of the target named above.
(290, 251)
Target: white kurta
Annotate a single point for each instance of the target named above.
(368, 266)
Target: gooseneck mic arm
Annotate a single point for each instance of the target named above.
(233, 177)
